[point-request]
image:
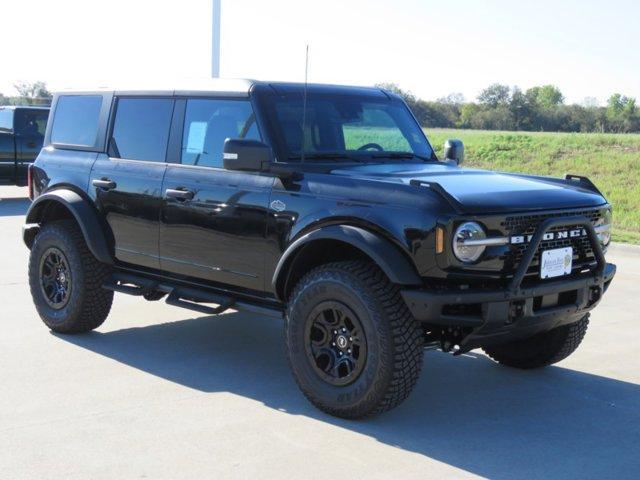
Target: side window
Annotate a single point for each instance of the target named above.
(208, 123)
(6, 119)
(76, 119)
(31, 122)
(141, 129)
(40, 119)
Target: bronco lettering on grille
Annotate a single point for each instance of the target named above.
(560, 235)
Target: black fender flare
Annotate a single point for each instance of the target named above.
(84, 214)
(396, 266)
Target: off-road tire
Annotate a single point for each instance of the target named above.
(542, 349)
(88, 304)
(394, 339)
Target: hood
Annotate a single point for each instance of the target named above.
(483, 191)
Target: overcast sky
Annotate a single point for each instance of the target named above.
(588, 48)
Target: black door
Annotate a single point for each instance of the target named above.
(30, 126)
(214, 221)
(7, 145)
(127, 183)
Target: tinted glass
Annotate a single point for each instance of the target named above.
(343, 124)
(376, 126)
(141, 129)
(31, 122)
(208, 123)
(76, 120)
(6, 118)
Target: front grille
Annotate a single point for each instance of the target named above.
(583, 255)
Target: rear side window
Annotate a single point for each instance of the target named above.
(76, 120)
(31, 122)
(208, 123)
(6, 118)
(141, 129)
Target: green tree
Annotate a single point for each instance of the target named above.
(522, 111)
(452, 99)
(546, 96)
(468, 115)
(33, 92)
(540, 108)
(495, 95)
(408, 97)
(622, 113)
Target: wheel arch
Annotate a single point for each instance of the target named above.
(340, 242)
(65, 203)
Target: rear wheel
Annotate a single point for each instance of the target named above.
(542, 349)
(66, 280)
(352, 345)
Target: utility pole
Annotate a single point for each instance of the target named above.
(215, 39)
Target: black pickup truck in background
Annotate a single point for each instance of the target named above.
(21, 135)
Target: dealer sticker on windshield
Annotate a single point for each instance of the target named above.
(556, 263)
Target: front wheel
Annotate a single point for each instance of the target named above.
(353, 347)
(66, 280)
(542, 349)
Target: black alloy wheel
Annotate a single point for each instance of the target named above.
(55, 278)
(336, 344)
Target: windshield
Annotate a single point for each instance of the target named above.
(345, 127)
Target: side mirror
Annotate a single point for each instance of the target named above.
(246, 155)
(454, 151)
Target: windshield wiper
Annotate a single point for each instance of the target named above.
(326, 156)
(407, 155)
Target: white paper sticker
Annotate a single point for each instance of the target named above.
(195, 139)
(557, 262)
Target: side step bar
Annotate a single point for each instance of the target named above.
(191, 299)
(130, 284)
(181, 296)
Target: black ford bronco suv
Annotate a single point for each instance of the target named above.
(322, 204)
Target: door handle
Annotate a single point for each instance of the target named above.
(104, 183)
(31, 144)
(179, 194)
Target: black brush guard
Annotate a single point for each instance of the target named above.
(517, 312)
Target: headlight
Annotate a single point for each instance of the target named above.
(603, 228)
(463, 247)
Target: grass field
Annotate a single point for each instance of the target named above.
(611, 161)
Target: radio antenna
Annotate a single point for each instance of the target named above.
(304, 103)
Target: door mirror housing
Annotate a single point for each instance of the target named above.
(454, 151)
(246, 155)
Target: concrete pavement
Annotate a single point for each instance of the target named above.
(159, 393)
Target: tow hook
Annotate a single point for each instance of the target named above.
(516, 311)
(594, 295)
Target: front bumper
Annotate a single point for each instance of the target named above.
(496, 316)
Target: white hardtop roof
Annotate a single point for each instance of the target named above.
(208, 86)
(161, 87)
